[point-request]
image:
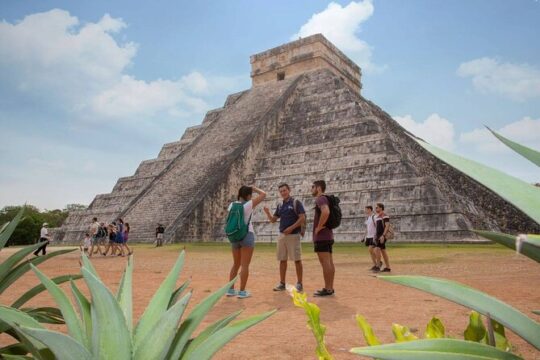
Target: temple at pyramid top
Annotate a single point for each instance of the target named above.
(306, 54)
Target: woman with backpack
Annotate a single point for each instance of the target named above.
(242, 236)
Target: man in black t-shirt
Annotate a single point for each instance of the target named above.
(381, 221)
(159, 235)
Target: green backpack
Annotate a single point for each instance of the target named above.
(235, 227)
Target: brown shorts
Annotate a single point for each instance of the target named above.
(288, 247)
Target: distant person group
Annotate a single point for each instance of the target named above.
(292, 224)
(101, 238)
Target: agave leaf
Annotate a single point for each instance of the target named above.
(62, 346)
(435, 329)
(125, 293)
(176, 294)
(15, 258)
(4, 226)
(402, 333)
(87, 264)
(45, 315)
(156, 345)
(10, 228)
(435, 349)
(68, 312)
(221, 337)
(521, 194)
(13, 318)
(527, 248)
(110, 335)
(84, 311)
(501, 341)
(528, 153)
(158, 304)
(209, 330)
(537, 312)
(193, 320)
(475, 331)
(39, 288)
(13, 349)
(17, 357)
(369, 335)
(510, 317)
(23, 267)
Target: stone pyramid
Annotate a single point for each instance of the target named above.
(303, 119)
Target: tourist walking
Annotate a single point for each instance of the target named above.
(86, 243)
(93, 231)
(160, 230)
(323, 237)
(382, 222)
(120, 236)
(43, 236)
(242, 250)
(369, 236)
(292, 217)
(126, 236)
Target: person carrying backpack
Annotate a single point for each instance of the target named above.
(327, 217)
(384, 232)
(292, 217)
(239, 230)
(369, 237)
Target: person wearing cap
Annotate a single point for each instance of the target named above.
(43, 236)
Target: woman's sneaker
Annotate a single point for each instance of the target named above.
(242, 294)
(231, 292)
(386, 269)
(299, 287)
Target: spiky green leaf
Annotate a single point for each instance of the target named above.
(402, 333)
(85, 312)
(14, 259)
(193, 320)
(125, 293)
(73, 322)
(521, 194)
(156, 345)
(45, 315)
(176, 294)
(39, 288)
(159, 303)
(435, 349)
(527, 248)
(367, 330)
(221, 337)
(63, 347)
(528, 153)
(110, 335)
(21, 269)
(475, 331)
(13, 349)
(10, 228)
(435, 329)
(510, 317)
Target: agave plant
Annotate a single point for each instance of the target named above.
(102, 327)
(524, 196)
(12, 269)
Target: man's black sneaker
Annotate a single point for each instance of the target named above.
(376, 269)
(373, 267)
(324, 292)
(386, 270)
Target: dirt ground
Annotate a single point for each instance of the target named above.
(490, 268)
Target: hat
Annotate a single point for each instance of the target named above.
(45, 224)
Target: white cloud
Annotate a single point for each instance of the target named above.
(340, 25)
(518, 82)
(435, 129)
(525, 131)
(82, 69)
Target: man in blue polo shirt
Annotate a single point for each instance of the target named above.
(292, 217)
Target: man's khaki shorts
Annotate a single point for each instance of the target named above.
(288, 247)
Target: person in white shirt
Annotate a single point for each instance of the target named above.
(242, 251)
(43, 236)
(369, 236)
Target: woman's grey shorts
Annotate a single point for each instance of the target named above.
(248, 241)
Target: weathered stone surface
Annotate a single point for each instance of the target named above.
(313, 124)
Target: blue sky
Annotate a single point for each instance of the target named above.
(90, 89)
